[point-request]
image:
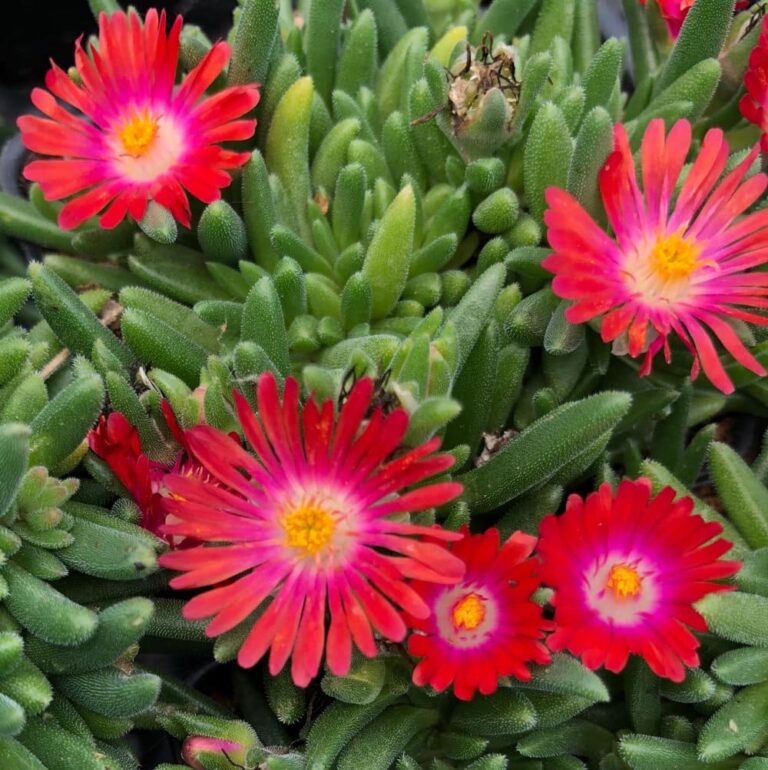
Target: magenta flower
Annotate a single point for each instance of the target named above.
(626, 569)
(137, 137)
(312, 522)
(679, 263)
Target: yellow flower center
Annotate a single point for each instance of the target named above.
(469, 612)
(673, 257)
(624, 581)
(138, 133)
(309, 527)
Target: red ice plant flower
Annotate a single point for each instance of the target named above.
(135, 137)
(117, 442)
(674, 13)
(626, 569)
(311, 521)
(754, 103)
(486, 626)
(195, 745)
(679, 263)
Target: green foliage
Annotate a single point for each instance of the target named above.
(390, 220)
(543, 450)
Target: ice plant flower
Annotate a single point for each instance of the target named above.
(484, 627)
(626, 569)
(312, 520)
(134, 136)
(195, 745)
(117, 442)
(673, 12)
(677, 265)
(754, 103)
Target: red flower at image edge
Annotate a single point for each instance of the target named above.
(131, 135)
(754, 103)
(674, 13)
(117, 442)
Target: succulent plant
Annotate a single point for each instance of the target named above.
(410, 221)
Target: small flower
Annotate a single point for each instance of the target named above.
(674, 13)
(679, 264)
(117, 442)
(306, 521)
(195, 745)
(754, 103)
(136, 138)
(485, 626)
(626, 569)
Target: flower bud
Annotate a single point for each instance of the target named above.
(197, 747)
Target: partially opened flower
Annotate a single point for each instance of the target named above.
(125, 135)
(626, 569)
(754, 103)
(312, 521)
(674, 13)
(486, 626)
(196, 745)
(680, 263)
(117, 442)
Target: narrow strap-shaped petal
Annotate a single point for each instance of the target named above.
(339, 642)
(350, 418)
(260, 637)
(255, 435)
(200, 78)
(707, 354)
(357, 621)
(653, 159)
(308, 651)
(621, 195)
(380, 612)
(287, 630)
(701, 178)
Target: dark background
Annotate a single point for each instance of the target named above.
(38, 29)
(34, 31)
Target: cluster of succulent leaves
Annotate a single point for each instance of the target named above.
(377, 228)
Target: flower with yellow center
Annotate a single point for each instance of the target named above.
(126, 130)
(309, 527)
(626, 569)
(624, 581)
(485, 628)
(681, 258)
(138, 134)
(469, 612)
(674, 258)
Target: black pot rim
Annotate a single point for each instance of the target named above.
(13, 155)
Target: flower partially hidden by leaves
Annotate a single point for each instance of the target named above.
(626, 569)
(117, 442)
(680, 264)
(195, 745)
(486, 626)
(137, 138)
(673, 13)
(305, 525)
(754, 103)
